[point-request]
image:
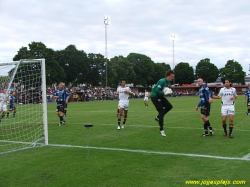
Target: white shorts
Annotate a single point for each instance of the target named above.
(145, 98)
(227, 110)
(123, 104)
(4, 108)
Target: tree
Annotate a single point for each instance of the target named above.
(37, 50)
(96, 74)
(233, 71)
(159, 71)
(75, 64)
(184, 74)
(143, 67)
(123, 70)
(207, 71)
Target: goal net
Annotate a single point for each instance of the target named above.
(23, 105)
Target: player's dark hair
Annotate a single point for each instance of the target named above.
(169, 72)
(229, 81)
(123, 80)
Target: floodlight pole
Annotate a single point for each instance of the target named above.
(106, 22)
(173, 37)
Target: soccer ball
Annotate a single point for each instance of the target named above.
(167, 91)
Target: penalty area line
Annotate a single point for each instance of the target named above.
(245, 158)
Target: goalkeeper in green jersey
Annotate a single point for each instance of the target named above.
(161, 104)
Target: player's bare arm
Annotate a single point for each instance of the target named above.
(67, 100)
(216, 97)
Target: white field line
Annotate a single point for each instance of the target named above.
(155, 152)
(246, 157)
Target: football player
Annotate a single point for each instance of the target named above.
(247, 95)
(205, 104)
(228, 95)
(123, 93)
(161, 104)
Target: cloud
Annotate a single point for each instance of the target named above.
(216, 29)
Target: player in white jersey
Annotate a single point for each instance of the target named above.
(123, 93)
(228, 95)
(3, 103)
(146, 98)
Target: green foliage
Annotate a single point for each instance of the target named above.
(124, 70)
(37, 50)
(207, 71)
(143, 67)
(75, 64)
(184, 74)
(160, 71)
(96, 74)
(233, 71)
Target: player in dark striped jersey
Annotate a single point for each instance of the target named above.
(205, 102)
(62, 98)
(12, 104)
(247, 95)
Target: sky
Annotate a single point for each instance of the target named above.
(215, 29)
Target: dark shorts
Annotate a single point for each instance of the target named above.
(160, 103)
(60, 106)
(205, 109)
(12, 107)
(248, 103)
(65, 105)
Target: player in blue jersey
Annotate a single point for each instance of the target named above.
(12, 104)
(205, 103)
(247, 96)
(62, 98)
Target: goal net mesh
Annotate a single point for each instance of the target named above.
(21, 105)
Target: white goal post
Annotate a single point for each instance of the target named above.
(23, 105)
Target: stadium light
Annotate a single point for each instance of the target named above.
(106, 22)
(173, 37)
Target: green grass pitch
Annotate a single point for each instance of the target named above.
(135, 156)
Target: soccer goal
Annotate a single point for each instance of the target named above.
(23, 105)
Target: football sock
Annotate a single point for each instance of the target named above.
(205, 128)
(8, 115)
(2, 116)
(14, 114)
(225, 127)
(248, 111)
(119, 122)
(124, 120)
(65, 111)
(61, 118)
(209, 125)
(231, 126)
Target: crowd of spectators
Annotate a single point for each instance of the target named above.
(85, 92)
(23, 96)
